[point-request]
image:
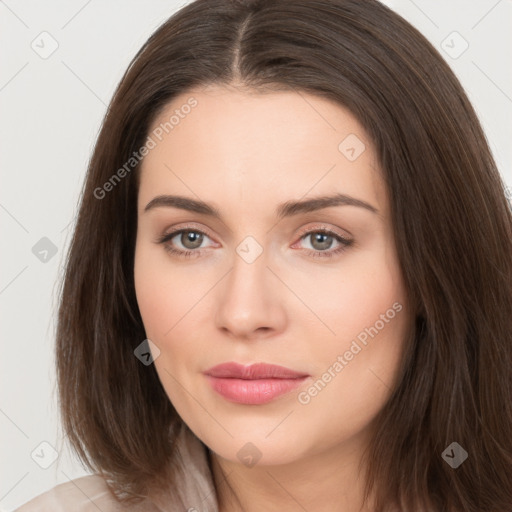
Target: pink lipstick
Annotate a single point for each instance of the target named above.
(255, 384)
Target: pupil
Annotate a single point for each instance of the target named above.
(193, 238)
(320, 239)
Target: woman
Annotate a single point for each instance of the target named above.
(290, 283)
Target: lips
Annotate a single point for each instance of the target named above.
(255, 384)
(254, 371)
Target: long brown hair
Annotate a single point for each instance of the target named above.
(452, 225)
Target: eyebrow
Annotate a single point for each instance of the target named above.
(287, 209)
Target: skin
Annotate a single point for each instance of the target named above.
(246, 153)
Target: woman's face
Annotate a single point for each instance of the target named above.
(278, 275)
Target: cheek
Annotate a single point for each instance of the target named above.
(352, 298)
(155, 291)
(166, 298)
(163, 291)
(366, 309)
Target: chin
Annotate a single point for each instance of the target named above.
(260, 443)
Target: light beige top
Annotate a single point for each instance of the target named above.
(193, 492)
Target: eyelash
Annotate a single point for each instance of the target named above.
(344, 243)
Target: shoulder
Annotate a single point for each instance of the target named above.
(86, 494)
(191, 488)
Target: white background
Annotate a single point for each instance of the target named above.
(51, 111)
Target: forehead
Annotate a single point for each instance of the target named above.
(227, 143)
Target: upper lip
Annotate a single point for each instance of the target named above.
(254, 371)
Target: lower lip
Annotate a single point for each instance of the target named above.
(255, 391)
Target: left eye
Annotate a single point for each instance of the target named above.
(322, 240)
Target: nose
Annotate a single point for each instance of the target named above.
(251, 301)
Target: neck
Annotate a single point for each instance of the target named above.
(322, 482)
